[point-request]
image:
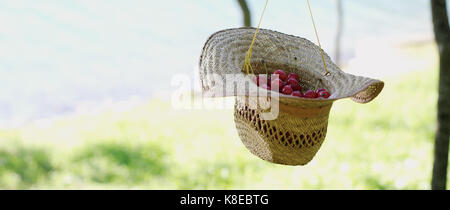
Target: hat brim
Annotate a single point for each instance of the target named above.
(223, 57)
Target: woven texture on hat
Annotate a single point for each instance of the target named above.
(292, 139)
(224, 54)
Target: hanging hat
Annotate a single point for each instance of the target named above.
(295, 136)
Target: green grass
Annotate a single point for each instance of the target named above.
(119, 163)
(387, 144)
(21, 166)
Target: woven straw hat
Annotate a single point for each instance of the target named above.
(295, 136)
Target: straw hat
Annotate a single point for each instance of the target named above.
(295, 136)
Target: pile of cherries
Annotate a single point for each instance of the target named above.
(288, 85)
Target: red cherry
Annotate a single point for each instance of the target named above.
(297, 87)
(273, 77)
(292, 81)
(294, 84)
(287, 90)
(320, 90)
(277, 83)
(293, 76)
(262, 79)
(256, 80)
(282, 75)
(297, 94)
(265, 86)
(324, 94)
(310, 94)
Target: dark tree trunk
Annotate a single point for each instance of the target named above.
(340, 26)
(246, 13)
(442, 34)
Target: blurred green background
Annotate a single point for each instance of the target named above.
(62, 57)
(386, 144)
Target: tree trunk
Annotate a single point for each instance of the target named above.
(442, 35)
(340, 26)
(245, 12)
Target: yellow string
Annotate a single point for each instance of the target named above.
(317, 36)
(247, 64)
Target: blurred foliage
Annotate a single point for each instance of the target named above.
(21, 167)
(119, 162)
(386, 144)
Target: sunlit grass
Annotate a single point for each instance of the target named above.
(386, 144)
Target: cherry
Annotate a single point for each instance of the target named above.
(282, 75)
(293, 76)
(320, 90)
(324, 94)
(277, 83)
(262, 79)
(294, 84)
(297, 94)
(265, 86)
(310, 94)
(288, 85)
(287, 90)
(256, 79)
